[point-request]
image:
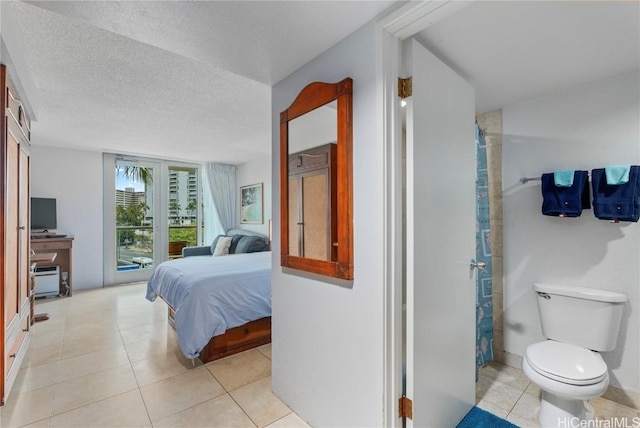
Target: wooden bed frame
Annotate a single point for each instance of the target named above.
(250, 335)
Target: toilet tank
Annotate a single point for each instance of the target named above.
(580, 316)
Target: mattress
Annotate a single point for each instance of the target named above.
(212, 294)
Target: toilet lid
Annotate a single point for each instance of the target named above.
(566, 363)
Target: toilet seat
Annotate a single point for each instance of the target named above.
(566, 363)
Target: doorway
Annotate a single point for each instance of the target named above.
(430, 313)
(152, 209)
(132, 216)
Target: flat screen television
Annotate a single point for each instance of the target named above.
(43, 214)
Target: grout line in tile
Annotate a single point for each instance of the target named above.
(146, 408)
(279, 419)
(515, 404)
(242, 408)
(493, 381)
(92, 403)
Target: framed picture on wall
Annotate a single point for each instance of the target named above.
(251, 204)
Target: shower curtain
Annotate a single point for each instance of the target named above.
(484, 298)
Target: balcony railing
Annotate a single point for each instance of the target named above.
(134, 244)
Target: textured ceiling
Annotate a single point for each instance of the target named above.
(179, 79)
(191, 80)
(261, 40)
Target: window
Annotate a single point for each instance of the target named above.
(152, 209)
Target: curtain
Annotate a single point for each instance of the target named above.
(484, 297)
(220, 203)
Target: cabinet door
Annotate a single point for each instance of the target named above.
(309, 215)
(12, 300)
(23, 225)
(295, 219)
(315, 206)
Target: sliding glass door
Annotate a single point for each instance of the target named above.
(135, 219)
(152, 209)
(132, 202)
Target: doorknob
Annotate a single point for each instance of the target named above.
(477, 265)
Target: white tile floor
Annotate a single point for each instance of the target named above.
(108, 358)
(506, 392)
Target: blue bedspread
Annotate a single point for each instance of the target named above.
(213, 294)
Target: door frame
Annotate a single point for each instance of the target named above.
(400, 24)
(110, 275)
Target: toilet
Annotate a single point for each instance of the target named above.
(578, 323)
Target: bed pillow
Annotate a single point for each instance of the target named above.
(251, 244)
(215, 242)
(234, 242)
(222, 246)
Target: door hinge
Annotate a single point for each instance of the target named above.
(405, 87)
(405, 408)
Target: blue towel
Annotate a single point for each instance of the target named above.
(563, 178)
(617, 174)
(565, 201)
(616, 202)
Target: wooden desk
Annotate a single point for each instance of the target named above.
(43, 258)
(63, 248)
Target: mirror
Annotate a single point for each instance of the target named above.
(312, 183)
(316, 181)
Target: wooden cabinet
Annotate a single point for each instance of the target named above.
(312, 191)
(14, 233)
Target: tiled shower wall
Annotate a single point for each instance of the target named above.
(491, 124)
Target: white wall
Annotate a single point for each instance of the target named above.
(328, 338)
(585, 128)
(74, 178)
(253, 172)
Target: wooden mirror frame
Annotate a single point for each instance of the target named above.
(311, 97)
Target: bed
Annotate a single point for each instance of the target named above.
(219, 305)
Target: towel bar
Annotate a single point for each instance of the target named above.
(524, 180)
